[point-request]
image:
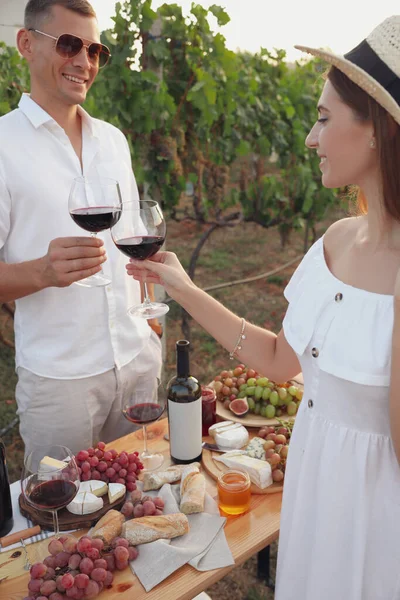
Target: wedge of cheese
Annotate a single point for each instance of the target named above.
(48, 464)
(85, 503)
(116, 491)
(259, 470)
(98, 488)
(229, 435)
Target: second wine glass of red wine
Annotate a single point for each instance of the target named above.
(139, 234)
(145, 405)
(50, 479)
(95, 205)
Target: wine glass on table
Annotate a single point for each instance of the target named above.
(145, 405)
(139, 234)
(50, 479)
(95, 205)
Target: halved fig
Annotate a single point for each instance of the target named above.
(239, 407)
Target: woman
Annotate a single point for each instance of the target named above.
(340, 526)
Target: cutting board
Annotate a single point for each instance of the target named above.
(66, 520)
(214, 468)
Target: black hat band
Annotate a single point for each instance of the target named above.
(366, 58)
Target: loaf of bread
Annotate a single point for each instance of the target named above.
(148, 529)
(108, 527)
(154, 481)
(193, 490)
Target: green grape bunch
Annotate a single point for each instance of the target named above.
(264, 396)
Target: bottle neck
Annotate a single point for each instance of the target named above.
(182, 362)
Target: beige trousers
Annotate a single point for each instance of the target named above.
(78, 413)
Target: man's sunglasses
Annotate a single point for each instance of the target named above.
(68, 46)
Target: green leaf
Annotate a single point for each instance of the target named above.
(243, 149)
(197, 86)
(219, 13)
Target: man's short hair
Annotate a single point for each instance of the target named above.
(37, 11)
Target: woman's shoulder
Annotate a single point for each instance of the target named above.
(340, 233)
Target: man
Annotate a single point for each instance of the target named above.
(78, 353)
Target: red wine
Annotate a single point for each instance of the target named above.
(96, 218)
(53, 494)
(140, 247)
(6, 513)
(184, 410)
(142, 414)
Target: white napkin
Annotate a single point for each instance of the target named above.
(204, 547)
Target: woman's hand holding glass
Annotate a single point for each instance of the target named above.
(163, 268)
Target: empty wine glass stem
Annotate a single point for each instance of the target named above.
(146, 299)
(55, 524)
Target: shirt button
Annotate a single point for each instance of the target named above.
(315, 352)
(310, 404)
(338, 297)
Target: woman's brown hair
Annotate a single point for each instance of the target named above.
(387, 138)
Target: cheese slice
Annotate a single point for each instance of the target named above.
(85, 503)
(51, 464)
(115, 491)
(223, 426)
(256, 448)
(259, 470)
(232, 438)
(98, 488)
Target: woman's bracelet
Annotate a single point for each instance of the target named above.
(240, 338)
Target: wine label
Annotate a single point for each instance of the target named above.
(185, 429)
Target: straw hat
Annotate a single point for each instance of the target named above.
(374, 65)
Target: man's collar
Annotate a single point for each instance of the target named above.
(38, 116)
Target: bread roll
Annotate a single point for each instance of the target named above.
(154, 481)
(148, 529)
(193, 491)
(108, 527)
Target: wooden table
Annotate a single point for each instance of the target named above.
(246, 535)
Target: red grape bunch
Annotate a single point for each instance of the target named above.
(142, 506)
(276, 447)
(109, 466)
(78, 568)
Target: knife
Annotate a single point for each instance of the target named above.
(19, 535)
(214, 447)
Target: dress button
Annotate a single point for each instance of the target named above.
(315, 352)
(310, 404)
(338, 297)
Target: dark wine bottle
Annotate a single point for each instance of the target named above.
(184, 410)
(6, 513)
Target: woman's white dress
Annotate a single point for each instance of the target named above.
(340, 525)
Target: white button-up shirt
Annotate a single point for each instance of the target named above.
(70, 332)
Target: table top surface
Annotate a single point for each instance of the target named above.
(246, 535)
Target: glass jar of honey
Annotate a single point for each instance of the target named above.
(234, 492)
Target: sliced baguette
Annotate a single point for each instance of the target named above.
(108, 527)
(193, 491)
(154, 481)
(148, 529)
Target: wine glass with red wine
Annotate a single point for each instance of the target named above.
(50, 479)
(139, 234)
(145, 405)
(95, 205)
